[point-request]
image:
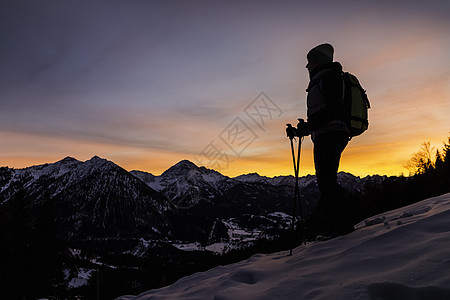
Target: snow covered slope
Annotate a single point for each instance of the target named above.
(401, 254)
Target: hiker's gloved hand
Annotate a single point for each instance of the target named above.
(291, 132)
(303, 128)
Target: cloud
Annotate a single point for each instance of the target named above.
(144, 77)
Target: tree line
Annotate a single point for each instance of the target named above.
(429, 176)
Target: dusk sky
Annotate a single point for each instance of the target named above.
(146, 84)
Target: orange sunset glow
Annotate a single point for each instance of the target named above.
(149, 84)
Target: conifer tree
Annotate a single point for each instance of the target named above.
(446, 161)
(446, 152)
(439, 162)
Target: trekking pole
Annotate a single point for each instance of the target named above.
(291, 134)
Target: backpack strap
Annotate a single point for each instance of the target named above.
(317, 80)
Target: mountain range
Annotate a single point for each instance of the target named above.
(132, 226)
(97, 198)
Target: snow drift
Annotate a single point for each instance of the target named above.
(401, 254)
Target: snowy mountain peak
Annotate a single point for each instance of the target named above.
(251, 177)
(97, 160)
(182, 168)
(191, 172)
(98, 163)
(68, 160)
(68, 166)
(184, 165)
(53, 170)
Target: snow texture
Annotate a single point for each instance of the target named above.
(401, 254)
(81, 279)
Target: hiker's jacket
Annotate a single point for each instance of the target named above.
(325, 100)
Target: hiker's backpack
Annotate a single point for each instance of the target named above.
(356, 105)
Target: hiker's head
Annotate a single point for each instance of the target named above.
(319, 55)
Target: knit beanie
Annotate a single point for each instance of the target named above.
(321, 54)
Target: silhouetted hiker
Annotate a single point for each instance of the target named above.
(330, 136)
